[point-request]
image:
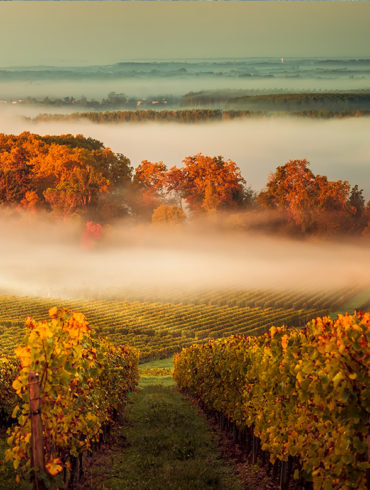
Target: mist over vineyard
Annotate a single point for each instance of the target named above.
(44, 258)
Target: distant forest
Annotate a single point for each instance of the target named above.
(299, 103)
(190, 115)
(209, 106)
(294, 102)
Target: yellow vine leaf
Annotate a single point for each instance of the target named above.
(53, 312)
(54, 466)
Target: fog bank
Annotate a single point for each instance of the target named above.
(44, 258)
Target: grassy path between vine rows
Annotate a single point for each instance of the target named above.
(162, 444)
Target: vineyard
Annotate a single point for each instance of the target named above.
(159, 323)
(78, 383)
(297, 397)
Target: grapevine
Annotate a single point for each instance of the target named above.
(304, 392)
(84, 381)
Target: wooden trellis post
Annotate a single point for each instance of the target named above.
(37, 446)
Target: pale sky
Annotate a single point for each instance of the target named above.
(85, 33)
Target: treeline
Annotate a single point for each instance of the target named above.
(311, 101)
(72, 175)
(226, 100)
(190, 115)
(296, 102)
(112, 101)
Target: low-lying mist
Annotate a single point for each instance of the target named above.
(43, 257)
(337, 148)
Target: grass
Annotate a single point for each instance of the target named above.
(156, 372)
(158, 364)
(166, 381)
(163, 444)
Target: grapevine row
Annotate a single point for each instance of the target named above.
(84, 382)
(303, 392)
(156, 329)
(329, 300)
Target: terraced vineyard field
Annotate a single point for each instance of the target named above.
(160, 327)
(330, 300)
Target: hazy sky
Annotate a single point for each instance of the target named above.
(66, 33)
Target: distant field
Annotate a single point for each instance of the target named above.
(160, 324)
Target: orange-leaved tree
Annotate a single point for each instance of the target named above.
(66, 173)
(168, 215)
(208, 183)
(310, 201)
(150, 180)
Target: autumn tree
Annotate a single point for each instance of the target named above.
(357, 201)
(151, 175)
(15, 174)
(310, 201)
(80, 191)
(208, 184)
(31, 201)
(366, 215)
(113, 166)
(168, 215)
(150, 184)
(67, 174)
(68, 180)
(367, 210)
(78, 141)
